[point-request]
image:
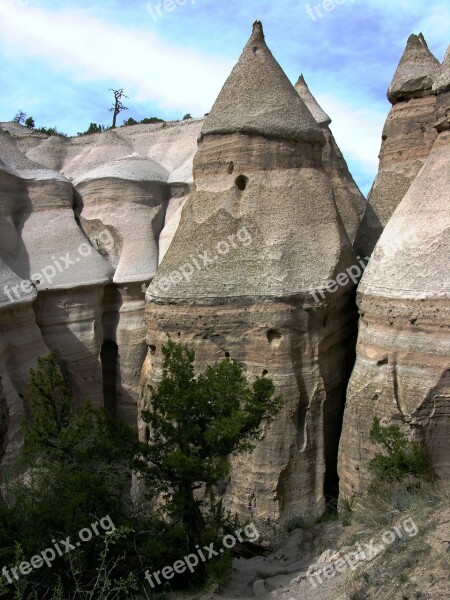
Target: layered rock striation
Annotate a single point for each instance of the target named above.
(407, 139)
(84, 242)
(402, 370)
(56, 258)
(259, 231)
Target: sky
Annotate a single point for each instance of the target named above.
(59, 58)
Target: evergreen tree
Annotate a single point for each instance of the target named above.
(402, 457)
(195, 424)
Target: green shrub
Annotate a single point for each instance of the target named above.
(93, 128)
(72, 472)
(50, 131)
(402, 457)
(151, 120)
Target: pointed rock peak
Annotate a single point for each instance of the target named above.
(442, 81)
(416, 71)
(312, 105)
(258, 98)
(258, 31)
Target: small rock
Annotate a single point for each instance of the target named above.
(259, 588)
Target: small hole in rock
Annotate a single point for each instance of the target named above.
(274, 337)
(265, 372)
(230, 167)
(227, 354)
(241, 182)
(152, 348)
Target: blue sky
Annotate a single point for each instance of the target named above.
(60, 57)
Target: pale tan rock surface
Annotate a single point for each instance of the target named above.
(67, 271)
(122, 205)
(124, 180)
(416, 71)
(21, 343)
(312, 105)
(407, 139)
(276, 111)
(171, 222)
(442, 80)
(127, 196)
(262, 210)
(402, 370)
(349, 200)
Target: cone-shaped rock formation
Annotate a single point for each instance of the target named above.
(407, 139)
(402, 371)
(349, 200)
(268, 106)
(312, 105)
(416, 71)
(259, 231)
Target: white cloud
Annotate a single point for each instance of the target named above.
(357, 130)
(138, 60)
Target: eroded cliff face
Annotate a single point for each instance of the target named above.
(20, 343)
(56, 258)
(259, 231)
(77, 255)
(241, 245)
(402, 370)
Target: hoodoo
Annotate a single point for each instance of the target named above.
(122, 205)
(407, 139)
(442, 80)
(415, 73)
(349, 200)
(51, 250)
(259, 231)
(402, 370)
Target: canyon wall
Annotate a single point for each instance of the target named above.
(80, 221)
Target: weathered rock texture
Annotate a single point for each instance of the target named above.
(349, 200)
(68, 273)
(415, 73)
(402, 371)
(20, 343)
(408, 136)
(262, 212)
(90, 251)
(442, 80)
